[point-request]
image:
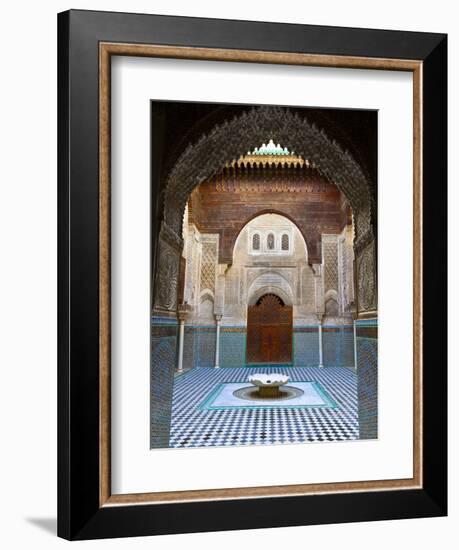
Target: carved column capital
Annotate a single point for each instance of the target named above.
(183, 312)
(221, 269)
(317, 270)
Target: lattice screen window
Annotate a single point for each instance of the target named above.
(331, 265)
(208, 264)
(256, 242)
(285, 244)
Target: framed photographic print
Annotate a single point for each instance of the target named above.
(252, 274)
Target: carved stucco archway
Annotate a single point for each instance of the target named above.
(254, 296)
(234, 138)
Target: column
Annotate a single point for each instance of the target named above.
(355, 345)
(181, 339)
(321, 352)
(182, 312)
(218, 319)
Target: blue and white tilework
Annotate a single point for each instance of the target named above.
(193, 427)
(338, 346)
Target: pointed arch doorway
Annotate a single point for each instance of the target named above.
(269, 331)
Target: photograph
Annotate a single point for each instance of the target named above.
(232, 230)
(264, 250)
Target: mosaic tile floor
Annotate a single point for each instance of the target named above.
(193, 427)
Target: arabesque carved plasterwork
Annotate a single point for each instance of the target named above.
(166, 283)
(234, 138)
(208, 265)
(346, 270)
(366, 281)
(241, 285)
(330, 259)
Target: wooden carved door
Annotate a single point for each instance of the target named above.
(269, 331)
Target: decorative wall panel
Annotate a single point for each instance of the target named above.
(346, 270)
(232, 346)
(167, 275)
(306, 346)
(188, 348)
(330, 260)
(366, 278)
(199, 348)
(338, 346)
(204, 346)
(208, 265)
(367, 377)
(163, 362)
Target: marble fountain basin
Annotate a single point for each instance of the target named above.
(268, 384)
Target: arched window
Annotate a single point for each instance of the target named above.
(270, 241)
(331, 307)
(285, 244)
(256, 242)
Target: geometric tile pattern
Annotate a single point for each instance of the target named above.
(338, 346)
(305, 346)
(204, 347)
(188, 348)
(163, 361)
(367, 378)
(232, 346)
(192, 427)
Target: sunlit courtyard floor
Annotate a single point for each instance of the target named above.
(202, 416)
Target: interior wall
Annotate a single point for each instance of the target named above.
(227, 201)
(163, 355)
(367, 377)
(252, 273)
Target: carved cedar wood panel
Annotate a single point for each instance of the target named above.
(269, 331)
